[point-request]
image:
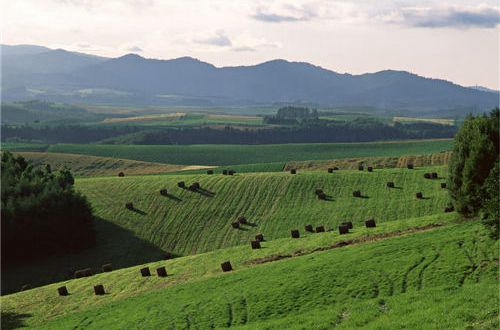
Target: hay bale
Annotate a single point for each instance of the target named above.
(343, 230)
(449, 209)
(145, 272)
(121, 174)
(226, 266)
(390, 184)
(427, 175)
(161, 271)
(181, 184)
(255, 245)
(409, 166)
(295, 233)
(242, 220)
(210, 172)
(335, 168)
(370, 169)
(443, 185)
(322, 196)
(308, 228)
(330, 170)
(361, 168)
(318, 191)
(83, 273)
(25, 287)
(196, 185)
(370, 223)
(99, 290)
(356, 193)
(62, 291)
(107, 268)
(320, 229)
(293, 171)
(231, 172)
(419, 195)
(235, 225)
(164, 192)
(129, 206)
(167, 255)
(259, 237)
(434, 175)
(347, 223)
(224, 172)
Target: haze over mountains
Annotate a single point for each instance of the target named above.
(57, 75)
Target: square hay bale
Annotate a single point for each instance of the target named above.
(318, 191)
(449, 209)
(129, 206)
(196, 185)
(181, 184)
(419, 195)
(255, 245)
(121, 174)
(370, 223)
(370, 169)
(434, 175)
(322, 195)
(226, 266)
(295, 233)
(145, 272)
(242, 220)
(210, 172)
(356, 193)
(163, 192)
(308, 228)
(347, 223)
(62, 291)
(99, 290)
(161, 271)
(361, 168)
(427, 175)
(443, 185)
(343, 230)
(293, 171)
(167, 255)
(224, 172)
(390, 184)
(320, 229)
(330, 170)
(235, 225)
(107, 268)
(83, 273)
(231, 172)
(259, 237)
(409, 166)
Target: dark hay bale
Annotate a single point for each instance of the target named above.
(210, 172)
(343, 230)
(99, 290)
(308, 228)
(322, 195)
(449, 209)
(419, 195)
(163, 192)
(443, 185)
(235, 225)
(335, 168)
(427, 175)
(129, 206)
(361, 168)
(83, 273)
(255, 245)
(224, 172)
(330, 170)
(370, 169)
(370, 223)
(63, 291)
(226, 266)
(390, 184)
(293, 171)
(347, 223)
(356, 193)
(320, 229)
(107, 268)
(145, 272)
(295, 233)
(121, 174)
(231, 172)
(318, 191)
(196, 185)
(25, 287)
(167, 255)
(242, 220)
(434, 175)
(409, 166)
(259, 237)
(181, 184)
(161, 271)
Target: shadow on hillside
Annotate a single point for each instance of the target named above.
(205, 192)
(172, 197)
(11, 320)
(136, 210)
(114, 244)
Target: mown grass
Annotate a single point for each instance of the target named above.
(440, 278)
(223, 155)
(24, 147)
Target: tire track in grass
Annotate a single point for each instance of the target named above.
(420, 277)
(404, 283)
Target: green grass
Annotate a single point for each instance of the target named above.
(440, 278)
(190, 222)
(24, 146)
(223, 155)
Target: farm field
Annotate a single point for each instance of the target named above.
(187, 222)
(433, 272)
(224, 155)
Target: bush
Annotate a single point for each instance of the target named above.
(41, 213)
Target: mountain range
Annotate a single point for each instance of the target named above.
(35, 72)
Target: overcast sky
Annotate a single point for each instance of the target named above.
(454, 40)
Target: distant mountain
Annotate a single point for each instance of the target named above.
(484, 89)
(59, 75)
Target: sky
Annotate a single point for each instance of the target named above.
(453, 40)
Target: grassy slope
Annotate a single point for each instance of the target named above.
(252, 154)
(84, 165)
(275, 203)
(440, 278)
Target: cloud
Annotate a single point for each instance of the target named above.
(288, 13)
(244, 49)
(482, 17)
(220, 39)
(135, 49)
